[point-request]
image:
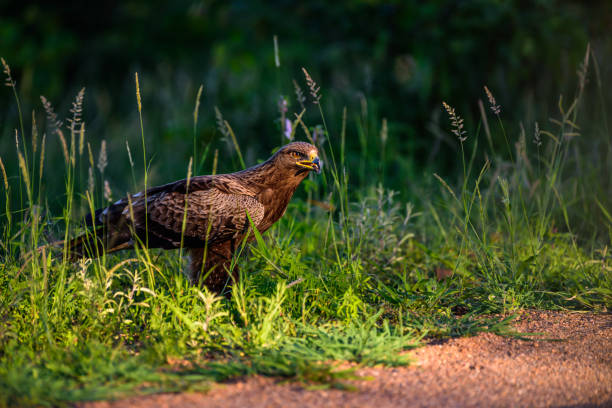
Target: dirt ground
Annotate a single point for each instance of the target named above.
(481, 371)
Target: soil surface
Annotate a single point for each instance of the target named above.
(487, 370)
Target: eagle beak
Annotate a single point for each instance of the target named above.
(313, 164)
(317, 165)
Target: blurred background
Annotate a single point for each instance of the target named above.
(393, 60)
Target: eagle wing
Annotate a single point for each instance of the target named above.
(212, 208)
(206, 215)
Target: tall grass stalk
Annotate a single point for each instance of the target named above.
(10, 82)
(338, 177)
(143, 253)
(196, 111)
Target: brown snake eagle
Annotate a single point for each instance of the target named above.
(208, 214)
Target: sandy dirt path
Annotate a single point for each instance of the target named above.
(481, 371)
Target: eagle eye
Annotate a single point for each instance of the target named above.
(295, 155)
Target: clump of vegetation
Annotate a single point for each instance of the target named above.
(347, 275)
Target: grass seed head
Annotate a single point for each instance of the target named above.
(537, 139)
(102, 158)
(221, 123)
(56, 124)
(90, 180)
(299, 94)
(276, 56)
(90, 155)
(312, 85)
(127, 146)
(7, 71)
(4, 178)
(81, 138)
(34, 133)
(77, 111)
(138, 99)
(456, 122)
(196, 109)
(384, 132)
(494, 106)
(108, 194)
(26, 175)
(64, 145)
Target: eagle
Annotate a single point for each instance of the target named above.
(208, 215)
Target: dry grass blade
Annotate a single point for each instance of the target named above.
(445, 184)
(26, 175)
(186, 207)
(215, 162)
(485, 123)
(235, 142)
(81, 139)
(4, 178)
(127, 146)
(42, 157)
(64, 145)
(298, 120)
(90, 155)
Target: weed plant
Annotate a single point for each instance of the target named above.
(349, 274)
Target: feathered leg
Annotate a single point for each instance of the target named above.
(213, 269)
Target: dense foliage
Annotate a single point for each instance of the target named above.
(401, 58)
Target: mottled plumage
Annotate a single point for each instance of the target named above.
(216, 218)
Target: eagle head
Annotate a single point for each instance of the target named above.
(300, 156)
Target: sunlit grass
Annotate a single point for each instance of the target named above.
(349, 274)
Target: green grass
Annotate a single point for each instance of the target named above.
(352, 279)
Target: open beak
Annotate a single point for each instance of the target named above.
(313, 164)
